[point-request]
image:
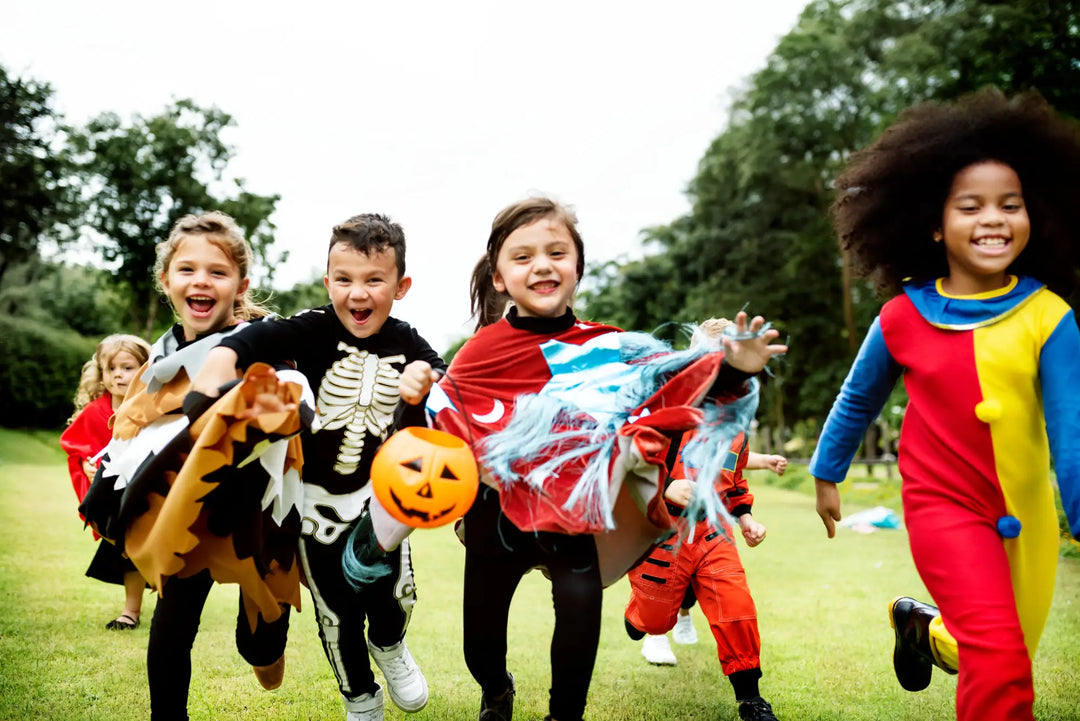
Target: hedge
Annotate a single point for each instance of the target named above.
(39, 372)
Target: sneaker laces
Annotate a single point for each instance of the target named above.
(401, 666)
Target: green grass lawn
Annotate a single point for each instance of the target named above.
(821, 603)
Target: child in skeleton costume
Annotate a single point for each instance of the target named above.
(358, 357)
(105, 380)
(197, 493)
(568, 420)
(968, 216)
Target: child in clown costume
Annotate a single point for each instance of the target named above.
(967, 215)
(571, 422)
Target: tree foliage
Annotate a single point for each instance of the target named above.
(37, 196)
(758, 231)
(142, 175)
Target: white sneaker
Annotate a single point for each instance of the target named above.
(404, 681)
(368, 707)
(657, 650)
(684, 632)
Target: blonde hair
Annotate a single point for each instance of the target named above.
(710, 332)
(92, 379)
(221, 230)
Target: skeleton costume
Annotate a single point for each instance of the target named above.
(358, 397)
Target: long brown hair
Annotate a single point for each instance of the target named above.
(488, 304)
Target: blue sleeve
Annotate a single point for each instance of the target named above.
(861, 398)
(1059, 374)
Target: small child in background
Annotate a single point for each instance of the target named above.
(705, 564)
(105, 379)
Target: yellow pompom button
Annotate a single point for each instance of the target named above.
(988, 411)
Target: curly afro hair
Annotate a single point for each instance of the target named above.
(892, 194)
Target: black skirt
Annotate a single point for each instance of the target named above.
(109, 565)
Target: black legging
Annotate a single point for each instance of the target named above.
(497, 556)
(172, 634)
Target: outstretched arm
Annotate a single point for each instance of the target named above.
(218, 369)
(766, 462)
(751, 354)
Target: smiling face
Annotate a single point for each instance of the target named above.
(363, 287)
(537, 267)
(203, 284)
(117, 373)
(985, 227)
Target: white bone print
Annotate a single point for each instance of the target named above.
(359, 393)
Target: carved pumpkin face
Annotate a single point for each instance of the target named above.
(424, 478)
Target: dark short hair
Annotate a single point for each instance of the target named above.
(371, 233)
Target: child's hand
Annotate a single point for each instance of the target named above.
(751, 355)
(89, 468)
(680, 491)
(218, 369)
(776, 464)
(828, 504)
(271, 396)
(416, 380)
(752, 531)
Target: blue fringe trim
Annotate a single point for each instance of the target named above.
(363, 561)
(703, 455)
(547, 434)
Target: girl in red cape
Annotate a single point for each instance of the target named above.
(581, 509)
(105, 379)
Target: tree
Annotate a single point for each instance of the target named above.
(37, 195)
(758, 230)
(143, 175)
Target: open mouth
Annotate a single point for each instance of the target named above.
(201, 305)
(360, 316)
(992, 242)
(546, 286)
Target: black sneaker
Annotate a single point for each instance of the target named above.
(756, 709)
(500, 708)
(632, 631)
(912, 658)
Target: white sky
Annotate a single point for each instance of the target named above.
(436, 113)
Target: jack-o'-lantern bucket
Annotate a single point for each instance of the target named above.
(424, 478)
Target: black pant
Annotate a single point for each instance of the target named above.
(341, 610)
(172, 634)
(497, 556)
